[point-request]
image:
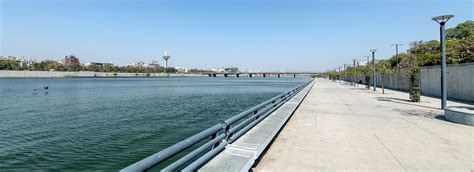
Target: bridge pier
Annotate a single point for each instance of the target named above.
(225, 75)
(264, 75)
(278, 75)
(294, 75)
(237, 75)
(250, 75)
(214, 75)
(210, 75)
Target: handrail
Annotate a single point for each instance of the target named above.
(228, 133)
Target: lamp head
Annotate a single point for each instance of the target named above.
(373, 50)
(442, 19)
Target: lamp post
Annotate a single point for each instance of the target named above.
(345, 72)
(367, 63)
(373, 65)
(367, 76)
(354, 60)
(442, 21)
(396, 48)
(396, 55)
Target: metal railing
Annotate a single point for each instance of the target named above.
(220, 135)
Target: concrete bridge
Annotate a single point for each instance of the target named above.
(262, 74)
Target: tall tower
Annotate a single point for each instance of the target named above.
(166, 57)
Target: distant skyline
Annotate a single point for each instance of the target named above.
(260, 35)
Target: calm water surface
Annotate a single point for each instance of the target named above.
(109, 123)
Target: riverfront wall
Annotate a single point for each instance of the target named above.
(54, 74)
(460, 81)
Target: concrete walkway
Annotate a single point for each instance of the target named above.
(341, 127)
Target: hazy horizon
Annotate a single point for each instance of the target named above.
(259, 35)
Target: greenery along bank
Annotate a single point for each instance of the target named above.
(49, 65)
(459, 49)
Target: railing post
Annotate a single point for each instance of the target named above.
(213, 136)
(226, 131)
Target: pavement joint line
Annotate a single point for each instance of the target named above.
(390, 152)
(240, 149)
(236, 154)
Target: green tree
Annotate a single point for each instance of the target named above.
(9, 65)
(462, 30)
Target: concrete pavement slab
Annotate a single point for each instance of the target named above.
(341, 127)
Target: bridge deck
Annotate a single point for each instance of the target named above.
(340, 127)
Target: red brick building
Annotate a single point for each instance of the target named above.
(71, 60)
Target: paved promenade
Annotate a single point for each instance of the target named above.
(341, 127)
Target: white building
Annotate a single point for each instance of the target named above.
(182, 69)
(220, 70)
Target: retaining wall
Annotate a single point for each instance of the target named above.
(53, 74)
(459, 78)
(460, 81)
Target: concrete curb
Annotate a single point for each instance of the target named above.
(242, 154)
(460, 114)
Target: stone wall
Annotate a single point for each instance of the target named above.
(460, 81)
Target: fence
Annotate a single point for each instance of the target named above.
(219, 136)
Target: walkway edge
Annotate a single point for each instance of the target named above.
(242, 154)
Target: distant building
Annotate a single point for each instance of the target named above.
(101, 64)
(22, 61)
(182, 69)
(12, 58)
(71, 60)
(26, 62)
(140, 63)
(154, 64)
(362, 63)
(220, 70)
(231, 69)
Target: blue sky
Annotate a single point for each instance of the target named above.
(266, 35)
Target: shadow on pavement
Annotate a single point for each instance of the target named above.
(442, 118)
(402, 101)
(364, 89)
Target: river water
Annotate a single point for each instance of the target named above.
(110, 123)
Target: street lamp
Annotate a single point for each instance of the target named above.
(367, 62)
(396, 55)
(396, 47)
(373, 65)
(442, 21)
(354, 60)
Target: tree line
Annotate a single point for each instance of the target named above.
(459, 49)
(48, 65)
